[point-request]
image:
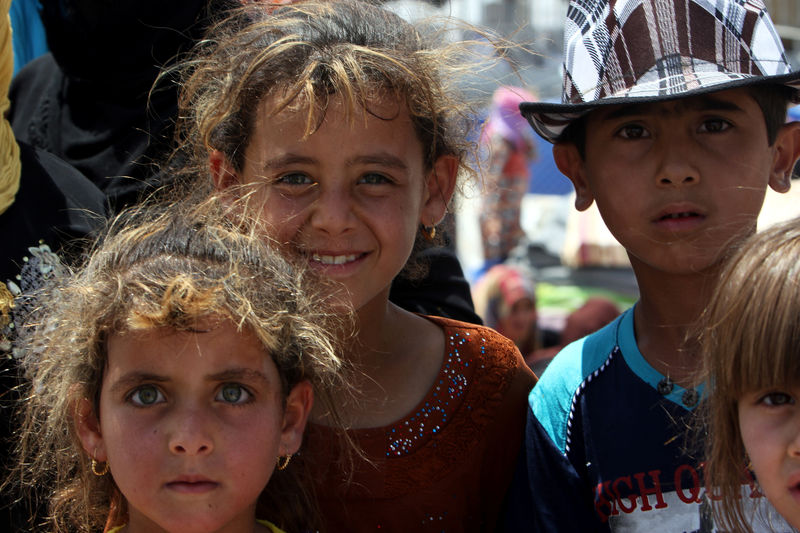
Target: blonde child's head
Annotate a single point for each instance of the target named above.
(749, 340)
(178, 279)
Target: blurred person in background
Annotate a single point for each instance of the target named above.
(91, 100)
(595, 313)
(509, 148)
(505, 297)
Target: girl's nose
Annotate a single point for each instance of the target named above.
(191, 435)
(333, 212)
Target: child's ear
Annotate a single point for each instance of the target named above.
(440, 184)
(787, 151)
(298, 406)
(222, 171)
(88, 428)
(569, 161)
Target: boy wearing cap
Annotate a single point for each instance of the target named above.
(673, 122)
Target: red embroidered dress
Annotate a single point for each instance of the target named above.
(447, 464)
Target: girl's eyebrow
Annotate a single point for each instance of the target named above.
(234, 374)
(134, 378)
(286, 160)
(384, 159)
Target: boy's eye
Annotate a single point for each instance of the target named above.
(714, 125)
(233, 393)
(146, 395)
(294, 178)
(374, 178)
(633, 131)
(775, 399)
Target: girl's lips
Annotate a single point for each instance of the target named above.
(794, 485)
(335, 263)
(794, 490)
(333, 259)
(192, 487)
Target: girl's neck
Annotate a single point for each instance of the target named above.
(396, 358)
(377, 321)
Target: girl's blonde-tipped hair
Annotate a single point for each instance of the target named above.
(266, 59)
(749, 341)
(165, 268)
(300, 56)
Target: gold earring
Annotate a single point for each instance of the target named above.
(429, 232)
(283, 462)
(99, 473)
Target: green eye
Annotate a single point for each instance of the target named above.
(374, 178)
(233, 393)
(294, 178)
(146, 395)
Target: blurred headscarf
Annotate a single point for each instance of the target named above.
(499, 289)
(505, 119)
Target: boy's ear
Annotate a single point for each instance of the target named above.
(222, 171)
(88, 427)
(298, 406)
(787, 151)
(441, 182)
(570, 163)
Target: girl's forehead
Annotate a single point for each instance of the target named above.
(381, 104)
(378, 122)
(215, 344)
(764, 375)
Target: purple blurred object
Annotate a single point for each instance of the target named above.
(505, 119)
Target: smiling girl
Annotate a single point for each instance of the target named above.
(750, 347)
(180, 368)
(339, 122)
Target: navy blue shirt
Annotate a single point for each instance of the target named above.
(606, 448)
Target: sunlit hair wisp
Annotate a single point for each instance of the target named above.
(749, 339)
(167, 269)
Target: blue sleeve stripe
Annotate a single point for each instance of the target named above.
(555, 396)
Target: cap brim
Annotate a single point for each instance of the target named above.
(550, 119)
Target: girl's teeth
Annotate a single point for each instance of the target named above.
(333, 259)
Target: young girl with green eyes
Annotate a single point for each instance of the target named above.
(170, 382)
(342, 125)
(750, 339)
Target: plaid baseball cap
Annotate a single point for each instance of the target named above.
(636, 51)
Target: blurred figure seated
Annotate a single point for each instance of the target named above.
(505, 297)
(595, 313)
